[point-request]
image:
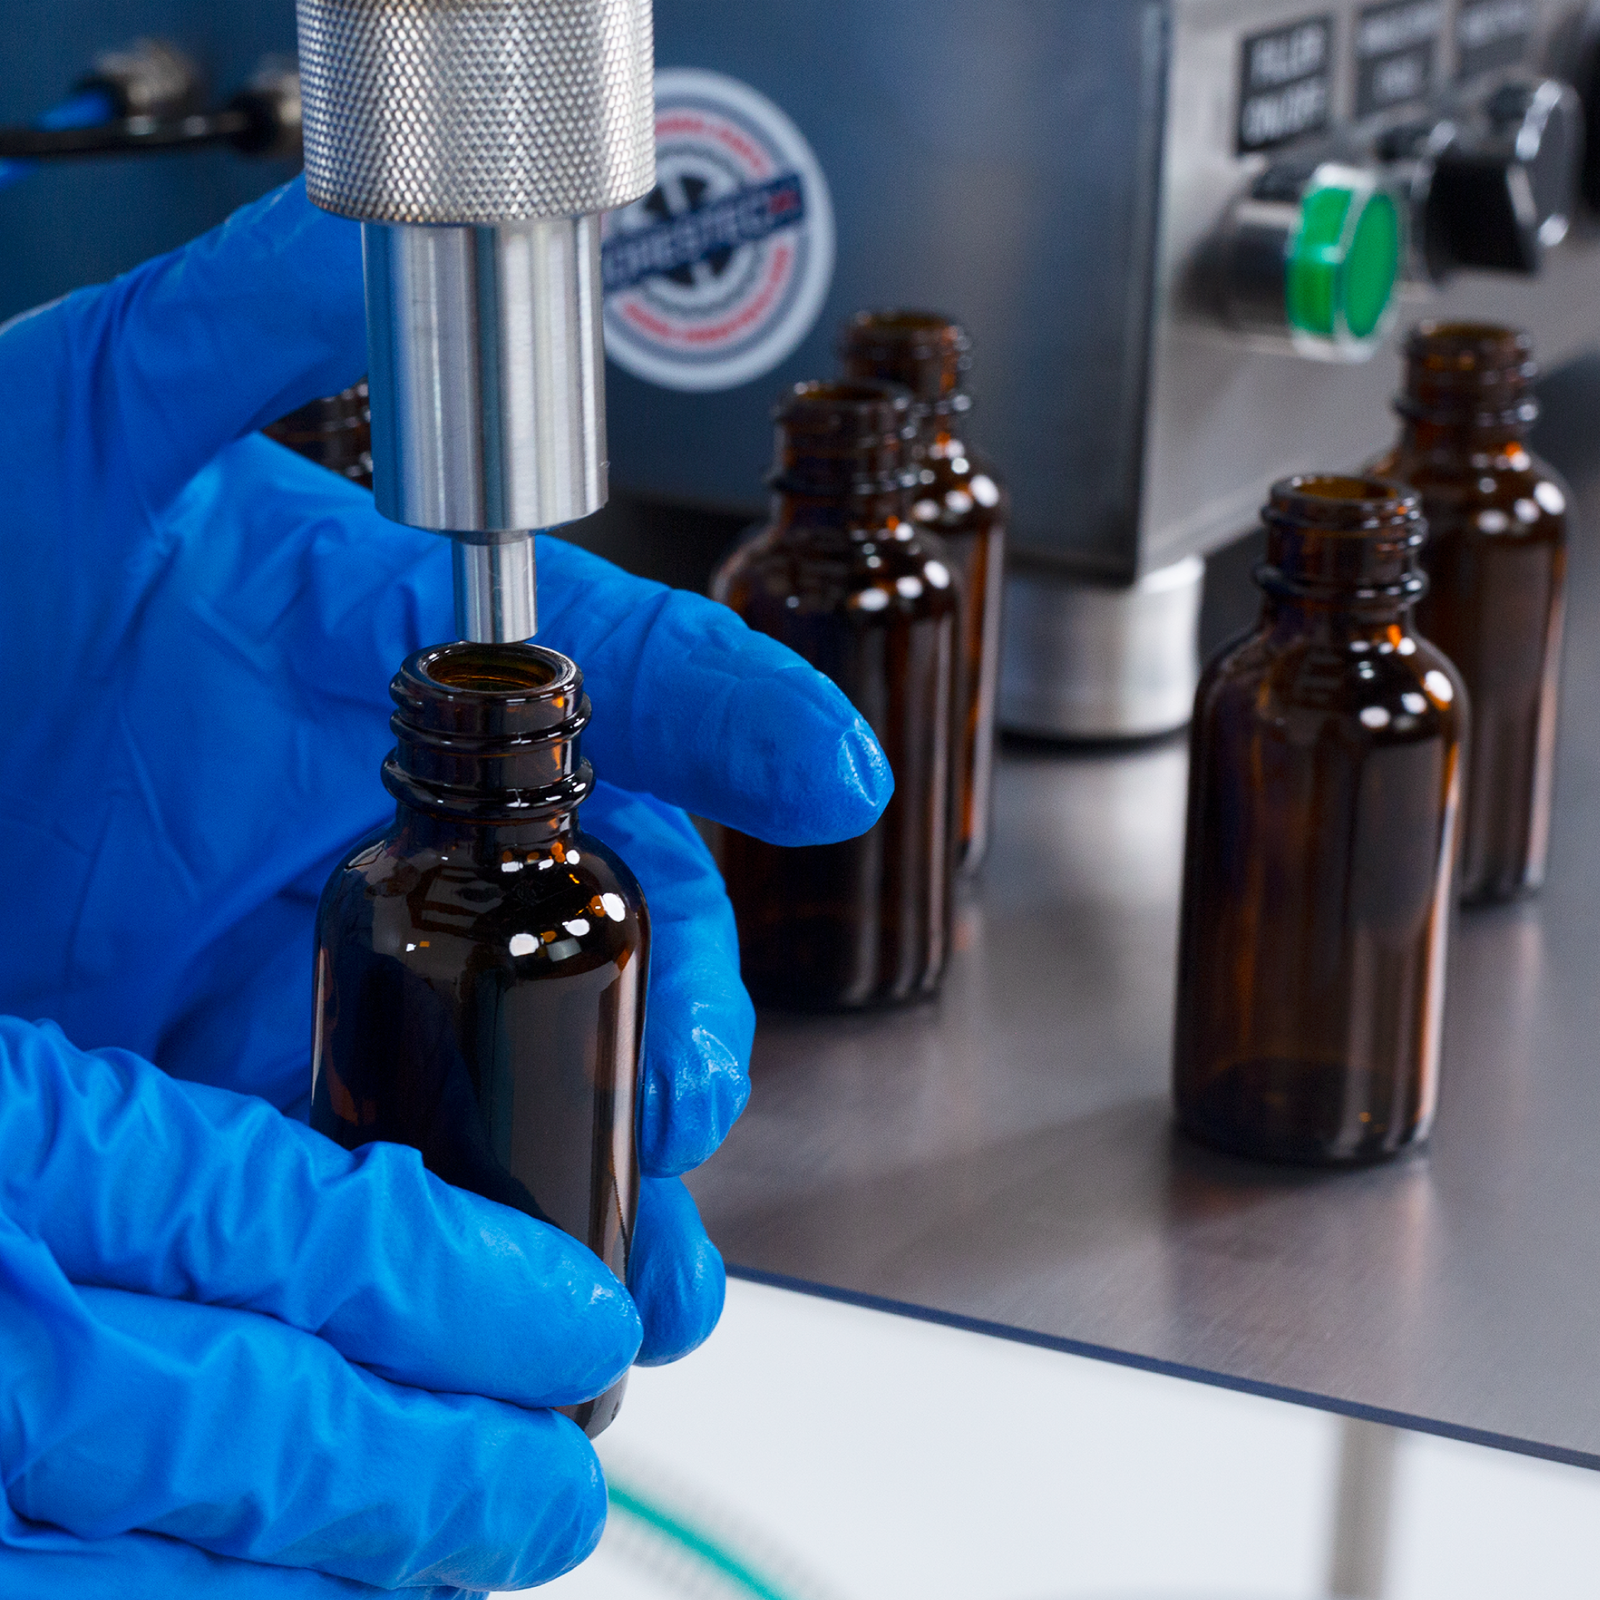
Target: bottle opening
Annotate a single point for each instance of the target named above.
(842, 437)
(490, 691)
(1335, 486)
(492, 669)
(844, 395)
(845, 413)
(925, 350)
(1469, 346)
(1341, 502)
(1345, 542)
(488, 733)
(908, 324)
(1469, 374)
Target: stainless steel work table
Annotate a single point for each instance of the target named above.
(1004, 1158)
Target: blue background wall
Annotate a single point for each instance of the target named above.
(81, 222)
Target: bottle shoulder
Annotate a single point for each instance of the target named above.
(439, 908)
(1404, 690)
(1515, 497)
(960, 493)
(874, 574)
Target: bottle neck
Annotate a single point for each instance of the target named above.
(842, 468)
(1468, 392)
(1340, 585)
(841, 518)
(488, 846)
(1477, 443)
(922, 351)
(486, 746)
(940, 434)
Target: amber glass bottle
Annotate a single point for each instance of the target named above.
(335, 432)
(1496, 564)
(1323, 786)
(961, 497)
(866, 596)
(480, 967)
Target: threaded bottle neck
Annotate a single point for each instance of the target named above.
(335, 432)
(1475, 377)
(1343, 544)
(925, 352)
(842, 452)
(487, 734)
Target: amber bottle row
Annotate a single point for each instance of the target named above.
(882, 566)
(1380, 744)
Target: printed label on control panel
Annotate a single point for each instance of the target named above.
(1396, 45)
(722, 269)
(1492, 33)
(1285, 83)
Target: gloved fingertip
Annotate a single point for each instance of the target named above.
(864, 769)
(605, 1336)
(543, 1514)
(694, 1318)
(676, 1274)
(571, 1516)
(617, 1346)
(687, 1106)
(818, 775)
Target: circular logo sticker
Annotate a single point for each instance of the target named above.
(722, 269)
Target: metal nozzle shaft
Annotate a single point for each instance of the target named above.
(495, 593)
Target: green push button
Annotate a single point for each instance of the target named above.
(1342, 262)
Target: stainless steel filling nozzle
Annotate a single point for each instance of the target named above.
(477, 141)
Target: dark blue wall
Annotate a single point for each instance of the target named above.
(81, 222)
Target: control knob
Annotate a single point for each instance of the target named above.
(1308, 256)
(1495, 187)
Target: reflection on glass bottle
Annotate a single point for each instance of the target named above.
(866, 596)
(481, 964)
(1325, 771)
(335, 432)
(961, 497)
(1496, 564)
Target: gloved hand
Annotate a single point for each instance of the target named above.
(218, 1328)
(198, 638)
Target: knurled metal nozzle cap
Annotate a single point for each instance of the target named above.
(476, 111)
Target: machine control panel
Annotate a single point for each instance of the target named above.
(1285, 83)
(1386, 169)
(1396, 49)
(1447, 177)
(1148, 214)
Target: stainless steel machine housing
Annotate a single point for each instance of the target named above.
(1049, 171)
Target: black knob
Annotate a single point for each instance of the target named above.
(271, 101)
(1575, 55)
(1502, 189)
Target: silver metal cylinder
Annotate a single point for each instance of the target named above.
(496, 600)
(1363, 1510)
(487, 371)
(1082, 660)
(485, 111)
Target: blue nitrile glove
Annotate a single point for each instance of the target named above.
(198, 636)
(219, 1328)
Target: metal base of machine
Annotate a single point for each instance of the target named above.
(1085, 660)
